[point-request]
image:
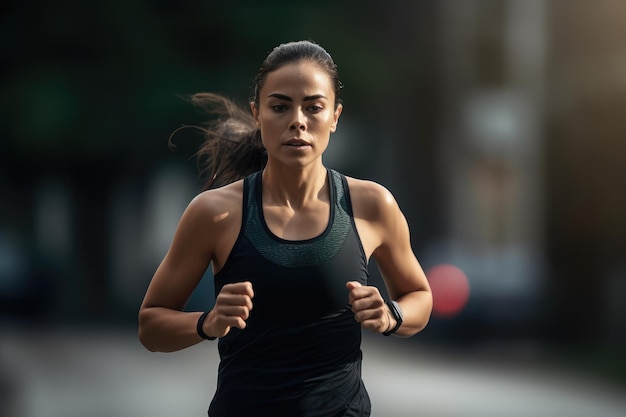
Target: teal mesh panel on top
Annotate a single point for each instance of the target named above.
(304, 253)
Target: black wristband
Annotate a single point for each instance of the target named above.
(396, 311)
(199, 327)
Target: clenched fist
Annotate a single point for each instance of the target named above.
(369, 307)
(232, 308)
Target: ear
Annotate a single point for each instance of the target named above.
(333, 126)
(255, 114)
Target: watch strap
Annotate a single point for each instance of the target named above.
(199, 327)
(396, 311)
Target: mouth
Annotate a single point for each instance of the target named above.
(297, 143)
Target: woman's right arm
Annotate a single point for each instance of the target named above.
(163, 325)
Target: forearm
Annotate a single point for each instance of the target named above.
(166, 330)
(416, 308)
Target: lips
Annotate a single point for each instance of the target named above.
(297, 142)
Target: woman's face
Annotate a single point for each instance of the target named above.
(296, 113)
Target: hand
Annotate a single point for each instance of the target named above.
(232, 308)
(368, 307)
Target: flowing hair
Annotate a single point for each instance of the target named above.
(232, 146)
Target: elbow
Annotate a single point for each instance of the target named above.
(427, 310)
(422, 325)
(412, 330)
(146, 345)
(421, 316)
(143, 330)
(145, 341)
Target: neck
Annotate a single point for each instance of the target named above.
(294, 187)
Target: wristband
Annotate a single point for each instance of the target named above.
(199, 327)
(396, 311)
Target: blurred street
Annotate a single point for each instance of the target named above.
(498, 126)
(70, 373)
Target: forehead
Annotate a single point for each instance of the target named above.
(303, 77)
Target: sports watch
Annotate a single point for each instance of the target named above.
(396, 311)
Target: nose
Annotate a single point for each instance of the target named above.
(298, 122)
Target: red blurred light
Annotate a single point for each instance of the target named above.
(450, 288)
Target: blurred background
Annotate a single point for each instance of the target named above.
(499, 125)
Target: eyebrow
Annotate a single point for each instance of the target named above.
(287, 98)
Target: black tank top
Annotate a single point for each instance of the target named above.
(300, 353)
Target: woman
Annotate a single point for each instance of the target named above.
(288, 241)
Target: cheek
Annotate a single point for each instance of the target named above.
(269, 130)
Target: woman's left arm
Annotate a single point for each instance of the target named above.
(404, 278)
(389, 239)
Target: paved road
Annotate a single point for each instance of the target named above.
(70, 373)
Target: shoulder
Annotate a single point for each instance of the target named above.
(215, 205)
(378, 218)
(225, 194)
(371, 200)
(208, 228)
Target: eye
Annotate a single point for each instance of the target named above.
(279, 108)
(315, 108)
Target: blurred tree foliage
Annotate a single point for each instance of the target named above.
(106, 78)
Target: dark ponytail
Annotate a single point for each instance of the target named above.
(232, 146)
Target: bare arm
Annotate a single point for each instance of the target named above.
(385, 232)
(404, 278)
(199, 240)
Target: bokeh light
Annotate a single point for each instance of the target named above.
(450, 288)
